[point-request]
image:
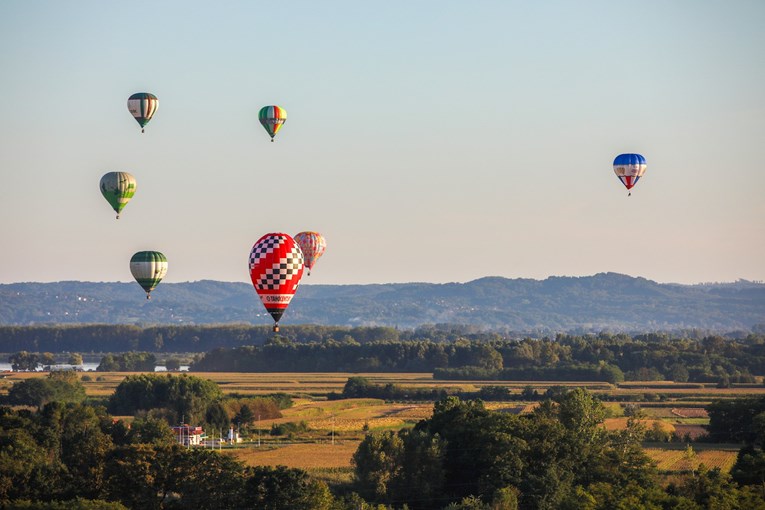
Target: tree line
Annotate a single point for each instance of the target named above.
(450, 353)
(611, 358)
(175, 399)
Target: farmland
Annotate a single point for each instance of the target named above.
(317, 385)
(333, 428)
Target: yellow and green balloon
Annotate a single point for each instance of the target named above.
(118, 188)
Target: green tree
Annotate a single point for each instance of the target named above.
(209, 480)
(173, 364)
(750, 468)
(283, 488)
(485, 356)
(152, 431)
(421, 476)
(711, 489)
(184, 396)
(138, 475)
(128, 362)
(20, 458)
(84, 449)
(24, 361)
(376, 463)
(734, 420)
(57, 387)
(217, 417)
(47, 359)
(356, 387)
(678, 373)
(483, 449)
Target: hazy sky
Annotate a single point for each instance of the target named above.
(431, 141)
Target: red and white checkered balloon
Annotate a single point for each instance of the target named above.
(276, 267)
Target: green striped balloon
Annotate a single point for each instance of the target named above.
(118, 188)
(142, 106)
(148, 269)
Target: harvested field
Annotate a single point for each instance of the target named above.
(690, 412)
(692, 431)
(306, 456)
(352, 415)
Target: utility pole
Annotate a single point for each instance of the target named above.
(258, 430)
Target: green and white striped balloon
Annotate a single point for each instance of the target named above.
(142, 106)
(118, 188)
(148, 269)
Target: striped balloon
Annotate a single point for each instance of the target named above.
(118, 188)
(312, 245)
(148, 269)
(272, 118)
(143, 106)
(276, 267)
(629, 168)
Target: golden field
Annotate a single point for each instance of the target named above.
(345, 421)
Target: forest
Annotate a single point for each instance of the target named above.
(455, 352)
(610, 358)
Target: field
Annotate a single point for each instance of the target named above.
(333, 428)
(671, 460)
(318, 384)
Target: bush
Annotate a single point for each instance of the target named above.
(288, 429)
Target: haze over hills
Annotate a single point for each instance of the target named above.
(605, 301)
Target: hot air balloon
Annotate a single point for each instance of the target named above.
(148, 268)
(629, 168)
(117, 188)
(276, 266)
(142, 106)
(272, 118)
(312, 244)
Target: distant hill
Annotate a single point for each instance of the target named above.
(605, 301)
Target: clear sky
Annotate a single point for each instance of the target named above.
(430, 141)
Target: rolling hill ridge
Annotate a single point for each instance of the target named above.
(605, 301)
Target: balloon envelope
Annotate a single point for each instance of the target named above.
(276, 267)
(272, 118)
(118, 188)
(312, 244)
(148, 269)
(142, 105)
(629, 168)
